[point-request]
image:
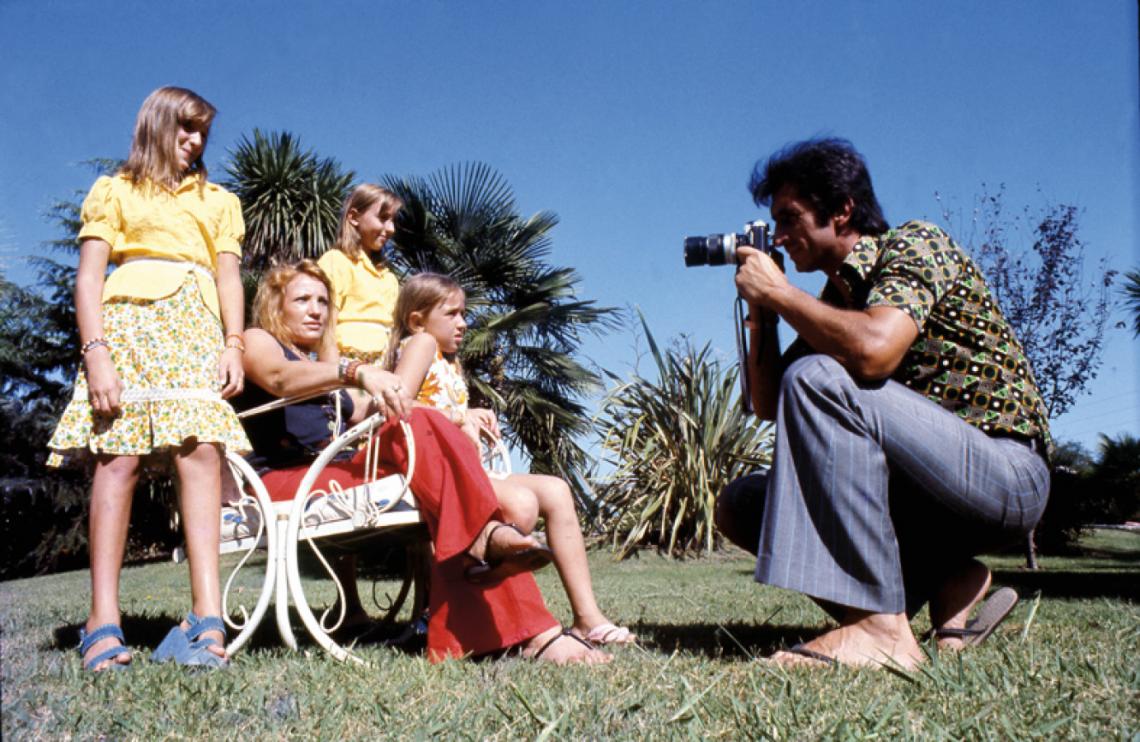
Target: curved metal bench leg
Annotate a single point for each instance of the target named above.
(266, 534)
(284, 625)
(372, 515)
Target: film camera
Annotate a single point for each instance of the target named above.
(720, 249)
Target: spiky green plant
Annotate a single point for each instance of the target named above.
(526, 321)
(290, 197)
(673, 444)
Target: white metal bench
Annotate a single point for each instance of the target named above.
(380, 503)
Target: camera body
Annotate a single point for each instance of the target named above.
(720, 249)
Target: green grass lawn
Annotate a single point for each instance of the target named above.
(1065, 665)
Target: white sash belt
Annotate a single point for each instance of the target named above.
(131, 396)
(196, 267)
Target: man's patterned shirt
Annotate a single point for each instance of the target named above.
(966, 357)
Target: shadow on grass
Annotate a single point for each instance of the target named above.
(739, 641)
(1071, 584)
(144, 633)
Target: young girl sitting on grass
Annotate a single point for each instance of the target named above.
(428, 328)
(161, 352)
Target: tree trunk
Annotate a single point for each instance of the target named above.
(1031, 551)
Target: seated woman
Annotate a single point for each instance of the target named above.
(291, 317)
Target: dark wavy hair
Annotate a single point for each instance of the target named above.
(825, 172)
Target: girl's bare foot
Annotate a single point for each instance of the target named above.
(561, 647)
(865, 640)
(951, 606)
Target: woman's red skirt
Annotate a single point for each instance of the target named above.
(456, 501)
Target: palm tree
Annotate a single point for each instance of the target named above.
(526, 320)
(290, 197)
(1132, 298)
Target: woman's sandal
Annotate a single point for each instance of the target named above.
(530, 559)
(106, 631)
(563, 634)
(187, 647)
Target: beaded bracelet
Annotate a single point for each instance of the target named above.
(342, 369)
(93, 344)
(235, 341)
(351, 371)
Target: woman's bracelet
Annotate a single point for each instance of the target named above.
(93, 344)
(350, 373)
(234, 340)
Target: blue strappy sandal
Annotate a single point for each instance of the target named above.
(186, 647)
(106, 631)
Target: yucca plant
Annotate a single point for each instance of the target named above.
(673, 444)
(290, 198)
(525, 317)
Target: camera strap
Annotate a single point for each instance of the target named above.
(742, 357)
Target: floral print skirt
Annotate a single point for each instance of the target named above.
(166, 352)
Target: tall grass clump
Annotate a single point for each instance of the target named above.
(673, 444)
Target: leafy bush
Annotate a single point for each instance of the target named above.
(673, 443)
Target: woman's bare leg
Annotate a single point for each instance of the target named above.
(199, 475)
(112, 490)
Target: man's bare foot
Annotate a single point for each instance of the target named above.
(499, 541)
(865, 640)
(951, 605)
(560, 647)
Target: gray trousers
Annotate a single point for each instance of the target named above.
(876, 494)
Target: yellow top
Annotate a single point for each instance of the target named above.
(365, 298)
(182, 228)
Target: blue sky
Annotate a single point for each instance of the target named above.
(638, 123)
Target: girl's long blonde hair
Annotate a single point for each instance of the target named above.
(153, 154)
(362, 198)
(269, 301)
(422, 293)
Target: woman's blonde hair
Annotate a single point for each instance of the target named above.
(362, 198)
(153, 154)
(421, 293)
(268, 304)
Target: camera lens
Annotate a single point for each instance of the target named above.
(716, 249)
(696, 251)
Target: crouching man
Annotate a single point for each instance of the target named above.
(910, 435)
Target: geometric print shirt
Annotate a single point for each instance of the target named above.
(965, 357)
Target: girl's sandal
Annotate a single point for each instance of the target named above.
(187, 648)
(106, 631)
(484, 571)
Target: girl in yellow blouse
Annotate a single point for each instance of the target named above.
(161, 351)
(365, 288)
(429, 327)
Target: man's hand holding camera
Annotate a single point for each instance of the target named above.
(759, 280)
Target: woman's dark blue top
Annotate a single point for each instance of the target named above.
(294, 435)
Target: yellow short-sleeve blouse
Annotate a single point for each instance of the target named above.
(189, 225)
(365, 297)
